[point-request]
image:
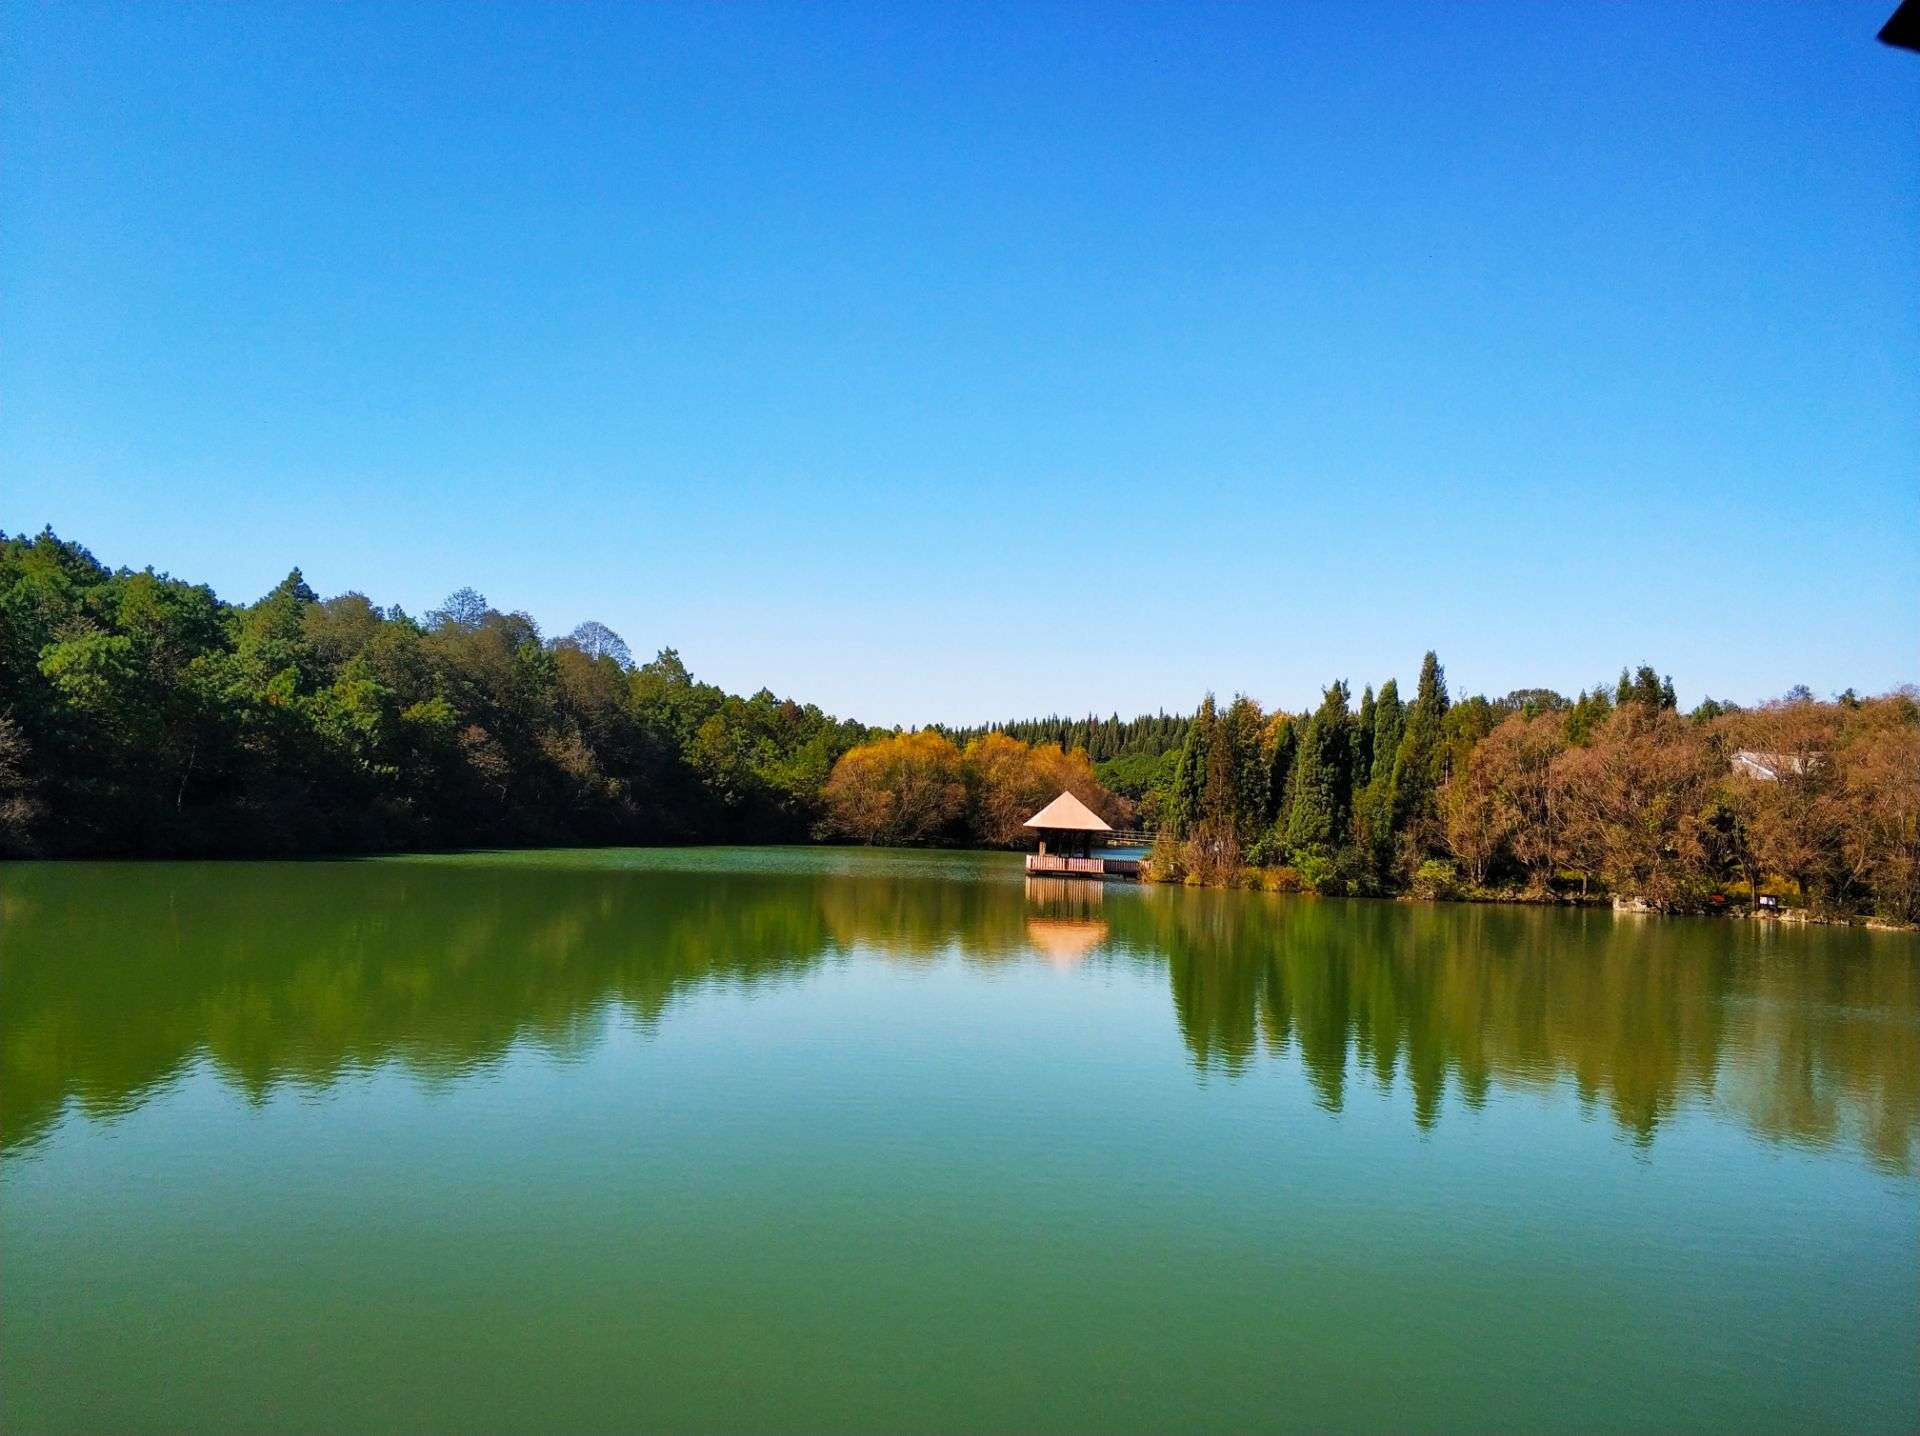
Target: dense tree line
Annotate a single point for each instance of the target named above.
(1133, 757)
(1101, 739)
(140, 714)
(924, 788)
(1535, 793)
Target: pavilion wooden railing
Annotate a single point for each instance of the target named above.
(1082, 867)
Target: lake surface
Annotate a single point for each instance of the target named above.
(783, 1139)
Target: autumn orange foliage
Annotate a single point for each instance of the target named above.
(919, 787)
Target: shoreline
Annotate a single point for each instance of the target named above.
(1253, 880)
(1623, 905)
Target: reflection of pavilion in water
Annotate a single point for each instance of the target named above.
(1064, 921)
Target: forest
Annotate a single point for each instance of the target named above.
(1131, 757)
(1539, 796)
(142, 715)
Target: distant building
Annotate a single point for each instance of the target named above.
(1770, 767)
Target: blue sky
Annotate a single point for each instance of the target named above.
(819, 341)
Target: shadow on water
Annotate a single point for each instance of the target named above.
(116, 979)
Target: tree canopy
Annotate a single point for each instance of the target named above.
(140, 714)
(1535, 793)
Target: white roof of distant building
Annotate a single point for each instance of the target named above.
(1771, 765)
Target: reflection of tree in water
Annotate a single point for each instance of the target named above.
(922, 920)
(299, 973)
(1810, 1035)
(304, 972)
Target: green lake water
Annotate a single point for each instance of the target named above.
(780, 1139)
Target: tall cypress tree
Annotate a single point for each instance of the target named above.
(1240, 730)
(1389, 719)
(1422, 750)
(1184, 803)
(1281, 744)
(1214, 824)
(1373, 803)
(1323, 776)
(1363, 740)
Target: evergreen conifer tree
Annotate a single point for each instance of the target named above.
(1184, 803)
(1363, 740)
(1389, 719)
(1281, 744)
(1422, 749)
(1585, 714)
(1646, 686)
(1323, 776)
(1373, 803)
(1240, 732)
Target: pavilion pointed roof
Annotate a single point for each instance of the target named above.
(1067, 814)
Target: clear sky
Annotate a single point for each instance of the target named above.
(953, 362)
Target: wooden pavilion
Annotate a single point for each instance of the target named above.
(1067, 829)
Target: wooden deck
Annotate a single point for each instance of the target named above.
(1049, 865)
